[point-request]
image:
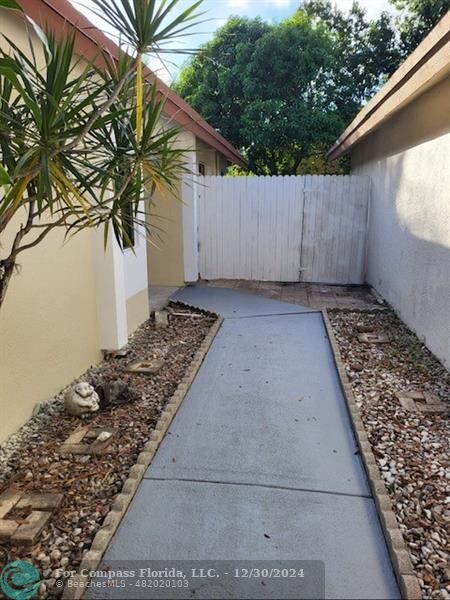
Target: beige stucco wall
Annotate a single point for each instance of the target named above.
(165, 246)
(215, 163)
(48, 326)
(48, 323)
(408, 160)
(165, 243)
(136, 279)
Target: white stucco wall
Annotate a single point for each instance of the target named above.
(135, 263)
(136, 279)
(408, 160)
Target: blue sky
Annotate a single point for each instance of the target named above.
(218, 11)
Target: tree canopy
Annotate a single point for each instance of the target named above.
(283, 92)
(213, 81)
(421, 16)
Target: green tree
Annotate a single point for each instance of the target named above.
(267, 89)
(81, 145)
(369, 51)
(282, 93)
(213, 80)
(366, 52)
(291, 110)
(420, 18)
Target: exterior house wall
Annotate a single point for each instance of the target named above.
(165, 243)
(408, 160)
(166, 247)
(48, 325)
(70, 300)
(206, 156)
(48, 322)
(136, 280)
(67, 302)
(215, 162)
(223, 165)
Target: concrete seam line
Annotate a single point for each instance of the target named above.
(100, 543)
(401, 562)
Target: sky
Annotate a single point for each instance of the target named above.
(216, 14)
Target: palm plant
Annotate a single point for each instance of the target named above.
(82, 144)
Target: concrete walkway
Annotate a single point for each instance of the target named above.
(259, 464)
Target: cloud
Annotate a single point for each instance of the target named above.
(160, 67)
(279, 3)
(238, 3)
(244, 5)
(373, 7)
(220, 22)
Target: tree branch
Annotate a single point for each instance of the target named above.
(41, 236)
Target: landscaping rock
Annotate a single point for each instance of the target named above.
(400, 382)
(161, 319)
(365, 327)
(114, 393)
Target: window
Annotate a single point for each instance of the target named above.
(201, 169)
(128, 237)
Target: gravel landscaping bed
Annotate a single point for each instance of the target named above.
(30, 461)
(412, 448)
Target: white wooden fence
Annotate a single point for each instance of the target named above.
(299, 228)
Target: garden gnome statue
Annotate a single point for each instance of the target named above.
(81, 399)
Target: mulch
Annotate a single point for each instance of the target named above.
(30, 461)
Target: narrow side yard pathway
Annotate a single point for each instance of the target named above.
(260, 462)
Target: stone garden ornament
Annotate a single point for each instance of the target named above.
(81, 399)
(114, 393)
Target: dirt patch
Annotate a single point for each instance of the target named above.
(412, 448)
(31, 461)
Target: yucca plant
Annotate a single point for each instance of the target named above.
(82, 145)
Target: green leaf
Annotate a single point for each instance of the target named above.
(9, 69)
(4, 177)
(41, 35)
(11, 4)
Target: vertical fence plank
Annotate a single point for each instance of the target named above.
(288, 230)
(200, 224)
(347, 228)
(304, 238)
(339, 263)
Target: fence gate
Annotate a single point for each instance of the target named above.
(299, 228)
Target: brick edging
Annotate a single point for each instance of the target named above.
(403, 568)
(93, 557)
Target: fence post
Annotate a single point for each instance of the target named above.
(190, 234)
